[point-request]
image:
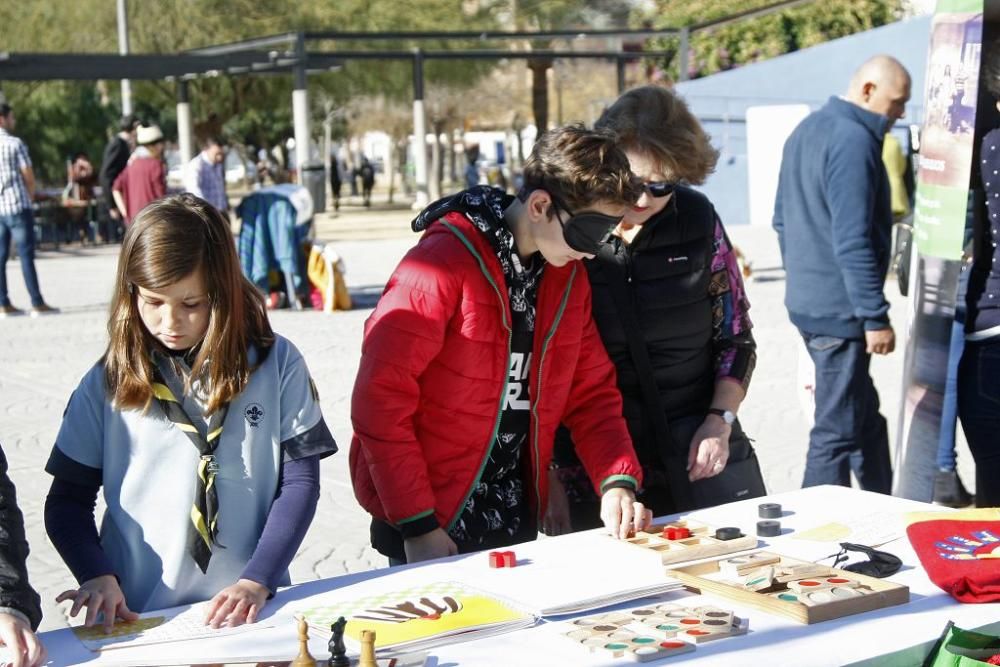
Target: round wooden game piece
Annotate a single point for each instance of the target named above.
(728, 533)
(768, 528)
(769, 511)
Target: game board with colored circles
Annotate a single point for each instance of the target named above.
(653, 632)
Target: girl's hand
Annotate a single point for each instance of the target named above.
(621, 513)
(237, 604)
(100, 595)
(16, 635)
(556, 520)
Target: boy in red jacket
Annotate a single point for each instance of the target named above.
(481, 345)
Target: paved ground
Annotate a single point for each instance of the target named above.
(43, 359)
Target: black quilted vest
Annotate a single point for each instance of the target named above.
(668, 267)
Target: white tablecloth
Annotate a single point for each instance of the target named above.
(897, 635)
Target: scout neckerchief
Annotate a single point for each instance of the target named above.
(205, 511)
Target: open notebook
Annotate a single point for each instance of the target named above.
(418, 618)
(575, 573)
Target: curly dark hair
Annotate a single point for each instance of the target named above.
(656, 121)
(580, 167)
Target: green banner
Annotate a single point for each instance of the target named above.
(938, 220)
(959, 6)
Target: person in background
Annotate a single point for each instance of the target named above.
(17, 220)
(144, 178)
(116, 155)
(367, 174)
(20, 611)
(78, 195)
(205, 177)
(833, 217)
(979, 368)
(671, 256)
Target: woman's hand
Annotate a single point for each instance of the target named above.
(237, 604)
(709, 450)
(556, 520)
(100, 595)
(621, 513)
(435, 544)
(24, 647)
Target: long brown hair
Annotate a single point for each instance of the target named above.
(169, 240)
(656, 121)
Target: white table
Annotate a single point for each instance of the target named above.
(899, 635)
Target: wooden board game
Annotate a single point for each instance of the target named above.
(653, 632)
(682, 541)
(803, 591)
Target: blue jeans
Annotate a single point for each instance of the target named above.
(949, 401)
(848, 432)
(22, 227)
(979, 410)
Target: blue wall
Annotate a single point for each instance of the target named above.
(808, 76)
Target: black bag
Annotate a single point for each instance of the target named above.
(901, 254)
(739, 480)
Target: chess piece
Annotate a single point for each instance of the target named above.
(304, 658)
(367, 649)
(338, 652)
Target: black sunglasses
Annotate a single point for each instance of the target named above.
(585, 231)
(660, 188)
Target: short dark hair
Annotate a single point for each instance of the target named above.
(5, 109)
(991, 68)
(580, 167)
(128, 123)
(214, 140)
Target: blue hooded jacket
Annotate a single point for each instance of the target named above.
(834, 221)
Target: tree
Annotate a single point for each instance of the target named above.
(771, 35)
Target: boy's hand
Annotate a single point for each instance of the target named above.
(237, 604)
(100, 594)
(622, 514)
(556, 520)
(24, 647)
(435, 544)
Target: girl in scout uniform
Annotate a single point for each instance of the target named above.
(203, 427)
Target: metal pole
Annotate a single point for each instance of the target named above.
(300, 110)
(184, 125)
(620, 64)
(123, 50)
(685, 39)
(419, 131)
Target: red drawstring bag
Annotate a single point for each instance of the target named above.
(961, 557)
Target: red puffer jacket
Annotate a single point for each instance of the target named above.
(434, 364)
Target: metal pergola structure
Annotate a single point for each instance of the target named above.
(288, 53)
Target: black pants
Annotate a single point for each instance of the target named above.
(979, 411)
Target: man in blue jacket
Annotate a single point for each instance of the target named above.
(834, 220)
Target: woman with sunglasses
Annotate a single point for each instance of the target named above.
(670, 272)
(481, 345)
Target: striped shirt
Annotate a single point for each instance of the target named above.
(205, 179)
(13, 158)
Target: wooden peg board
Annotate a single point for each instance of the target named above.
(830, 593)
(653, 632)
(701, 543)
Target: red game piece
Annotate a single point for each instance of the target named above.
(676, 533)
(500, 559)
